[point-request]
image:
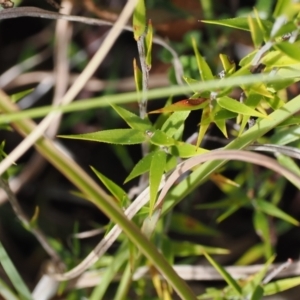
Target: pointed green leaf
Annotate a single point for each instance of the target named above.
(159, 138)
(221, 124)
(227, 277)
(204, 69)
(290, 50)
(204, 124)
(113, 136)
(228, 212)
(295, 120)
(261, 26)
(289, 163)
(257, 293)
(183, 105)
(183, 249)
(238, 107)
(13, 274)
(34, 219)
(262, 229)
(252, 255)
(277, 58)
(239, 23)
(254, 286)
(157, 168)
(171, 163)
(110, 271)
(272, 210)
(286, 135)
(138, 79)
(190, 81)
(281, 285)
(286, 8)
(187, 225)
(148, 43)
(185, 150)
(20, 95)
(141, 167)
(224, 114)
(240, 201)
(174, 122)
(256, 34)
(6, 292)
(228, 65)
(119, 194)
(134, 121)
(139, 20)
(167, 249)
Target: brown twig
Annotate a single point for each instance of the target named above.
(26, 222)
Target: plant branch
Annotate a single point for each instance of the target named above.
(26, 222)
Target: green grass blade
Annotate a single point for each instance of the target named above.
(227, 277)
(13, 274)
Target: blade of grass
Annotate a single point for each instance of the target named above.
(104, 101)
(13, 274)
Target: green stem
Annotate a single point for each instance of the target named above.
(235, 80)
(97, 196)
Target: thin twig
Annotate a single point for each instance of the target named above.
(145, 75)
(26, 222)
(276, 271)
(286, 150)
(193, 272)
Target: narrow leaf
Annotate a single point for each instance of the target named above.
(183, 105)
(183, 249)
(185, 224)
(141, 167)
(204, 69)
(290, 50)
(256, 34)
(228, 65)
(13, 274)
(113, 136)
(175, 122)
(237, 107)
(227, 277)
(6, 292)
(262, 229)
(157, 168)
(148, 42)
(239, 23)
(138, 79)
(185, 150)
(159, 138)
(134, 121)
(139, 20)
(119, 194)
(281, 285)
(274, 211)
(20, 95)
(204, 124)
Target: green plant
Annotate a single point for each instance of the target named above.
(265, 121)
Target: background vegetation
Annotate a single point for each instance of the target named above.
(184, 167)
